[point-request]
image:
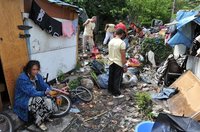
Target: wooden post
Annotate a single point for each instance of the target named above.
(2, 89)
(173, 7)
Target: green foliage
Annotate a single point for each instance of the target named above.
(156, 45)
(60, 75)
(112, 8)
(144, 103)
(140, 11)
(187, 4)
(75, 83)
(145, 10)
(93, 75)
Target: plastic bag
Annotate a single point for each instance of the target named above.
(129, 79)
(102, 80)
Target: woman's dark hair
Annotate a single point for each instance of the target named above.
(30, 64)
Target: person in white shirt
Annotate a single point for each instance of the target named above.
(117, 55)
(88, 33)
(110, 29)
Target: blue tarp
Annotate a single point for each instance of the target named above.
(185, 21)
(183, 35)
(184, 14)
(179, 38)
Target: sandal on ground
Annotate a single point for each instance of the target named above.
(43, 127)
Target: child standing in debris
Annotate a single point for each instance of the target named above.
(117, 56)
(88, 33)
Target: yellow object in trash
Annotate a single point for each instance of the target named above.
(53, 93)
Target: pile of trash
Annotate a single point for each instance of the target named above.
(161, 84)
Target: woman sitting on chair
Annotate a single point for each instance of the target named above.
(31, 101)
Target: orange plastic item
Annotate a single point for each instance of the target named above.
(58, 101)
(53, 93)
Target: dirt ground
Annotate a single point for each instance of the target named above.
(106, 114)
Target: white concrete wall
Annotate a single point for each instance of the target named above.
(53, 53)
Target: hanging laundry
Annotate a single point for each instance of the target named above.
(75, 26)
(67, 28)
(39, 16)
(55, 28)
(44, 21)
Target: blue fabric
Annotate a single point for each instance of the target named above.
(184, 14)
(183, 18)
(75, 25)
(166, 93)
(185, 21)
(179, 38)
(126, 42)
(102, 80)
(24, 90)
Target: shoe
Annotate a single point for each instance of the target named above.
(43, 127)
(118, 97)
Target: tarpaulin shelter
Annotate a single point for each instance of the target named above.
(187, 21)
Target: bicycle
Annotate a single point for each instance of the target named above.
(63, 98)
(6, 123)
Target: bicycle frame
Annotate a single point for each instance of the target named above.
(61, 91)
(66, 92)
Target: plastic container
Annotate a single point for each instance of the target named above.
(145, 126)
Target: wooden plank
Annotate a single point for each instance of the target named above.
(55, 10)
(13, 50)
(1, 104)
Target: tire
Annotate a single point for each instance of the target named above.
(6, 122)
(84, 94)
(67, 101)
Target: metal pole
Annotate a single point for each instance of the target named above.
(173, 7)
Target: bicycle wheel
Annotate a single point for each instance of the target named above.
(63, 107)
(6, 123)
(84, 94)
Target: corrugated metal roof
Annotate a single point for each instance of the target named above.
(59, 2)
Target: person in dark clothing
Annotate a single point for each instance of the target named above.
(117, 56)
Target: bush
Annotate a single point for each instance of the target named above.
(75, 83)
(60, 76)
(144, 103)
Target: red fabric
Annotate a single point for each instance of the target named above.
(121, 26)
(135, 61)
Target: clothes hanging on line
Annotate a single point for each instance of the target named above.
(44, 21)
(75, 26)
(67, 28)
(55, 28)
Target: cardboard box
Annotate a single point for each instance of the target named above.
(187, 101)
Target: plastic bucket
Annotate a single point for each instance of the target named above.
(145, 126)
